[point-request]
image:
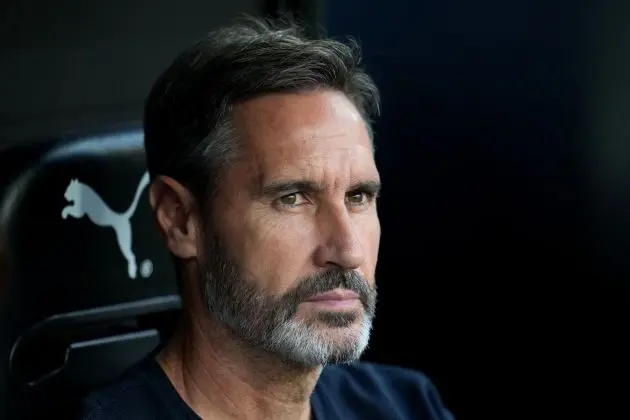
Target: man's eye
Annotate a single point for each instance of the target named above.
(359, 198)
(290, 200)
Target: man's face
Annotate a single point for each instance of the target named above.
(291, 258)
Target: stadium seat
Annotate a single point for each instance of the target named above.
(91, 288)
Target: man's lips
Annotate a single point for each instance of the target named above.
(337, 295)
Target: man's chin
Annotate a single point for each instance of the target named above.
(323, 340)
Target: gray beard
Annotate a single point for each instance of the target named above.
(267, 322)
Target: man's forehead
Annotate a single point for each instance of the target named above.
(308, 135)
(278, 109)
(273, 120)
(328, 169)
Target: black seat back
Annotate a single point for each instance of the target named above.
(92, 289)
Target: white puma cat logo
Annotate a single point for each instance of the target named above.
(85, 201)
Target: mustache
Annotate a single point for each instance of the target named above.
(330, 280)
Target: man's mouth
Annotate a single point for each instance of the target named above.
(338, 298)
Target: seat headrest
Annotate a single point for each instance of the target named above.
(80, 228)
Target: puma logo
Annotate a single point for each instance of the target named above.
(84, 201)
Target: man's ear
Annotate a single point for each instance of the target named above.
(177, 215)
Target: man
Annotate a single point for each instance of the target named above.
(264, 186)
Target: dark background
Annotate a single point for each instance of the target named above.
(505, 154)
(504, 148)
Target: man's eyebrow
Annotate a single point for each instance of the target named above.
(277, 188)
(372, 187)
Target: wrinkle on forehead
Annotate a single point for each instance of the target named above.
(296, 115)
(335, 170)
(332, 167)
(318, 135)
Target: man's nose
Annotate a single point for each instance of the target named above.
(341, 243)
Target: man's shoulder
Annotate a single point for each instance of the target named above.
(408, 392)
(131, 396)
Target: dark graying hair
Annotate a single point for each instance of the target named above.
(187, 121)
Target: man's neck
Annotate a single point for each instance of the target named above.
(221, 378)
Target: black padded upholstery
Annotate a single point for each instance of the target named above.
(92, 289)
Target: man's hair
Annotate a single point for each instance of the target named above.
(187, 120)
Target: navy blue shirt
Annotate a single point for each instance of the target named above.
(362, 391)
